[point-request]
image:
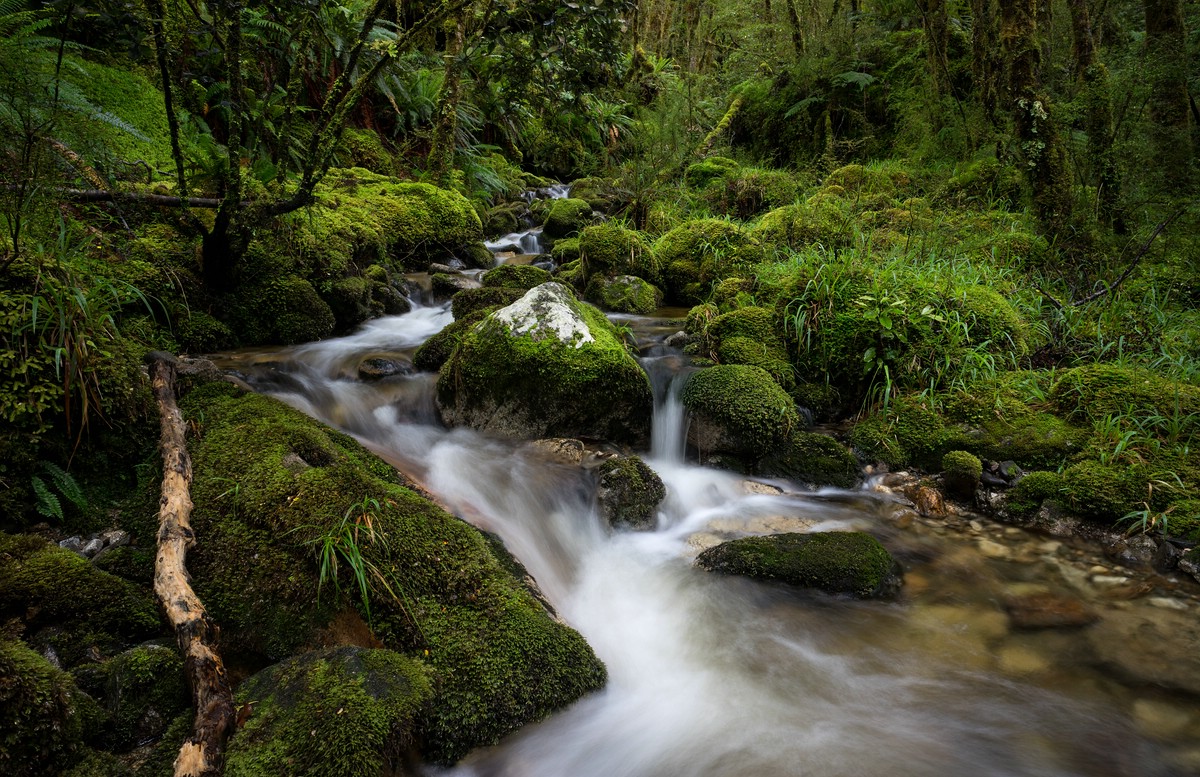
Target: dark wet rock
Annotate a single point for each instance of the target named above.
(445, 285)
(678, 340)
(1136, 552)
(378, 367)
(628, 492)
(1166, 559)
(961, 472)
(562, 450)
(1148, 645)
(852, 563)
(1189, 562)
(1047, 610)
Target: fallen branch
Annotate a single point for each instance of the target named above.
(202, 755)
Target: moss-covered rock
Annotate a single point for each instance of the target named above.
(811, 458)
(611, 249)
(700, 253)
(747, 192)
(546, 366)
(343, 712)
(984, 184)
(514, 276)
(623, 294)
(1032, 490)
(960, 473)
(628, 492)
(467, 302)
(198, 332)
(1092, 392)
(67, 604)
(820, 220)
(748, 336)
(602, 194)
(700, 174)
(566, 217)
(44, 718)
(285, 310)
(438, 349)
(738, 410)
(909, 431)
(1104, 492)
(565, 251)
(271, 482)
(144, 690)
(834, 562)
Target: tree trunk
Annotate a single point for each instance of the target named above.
(1167, 70)
(1092, 77)
(203, 754)
(936, 25)
(797, 33)
(984, 64)
(1042, 154)
(445, 132)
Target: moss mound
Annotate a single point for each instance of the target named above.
(702, 173)
(66, 603)
(700, 253)
(629, 492)
(285, 310)
(1095, 391)
(811, 458)
(961, 472)
(270, 482)
(610, 249)
(43, 716)
(566, 217)
(344, 712)
(738, 410)
(514, 276)
(834, 562)
(623, 294)
(546, 366)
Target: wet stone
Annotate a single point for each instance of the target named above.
(376, 368)
(1046, 611)
(561, 449)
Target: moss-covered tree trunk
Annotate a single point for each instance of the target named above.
(1096, 96)
(936, 24)
(1040, 149)
(445, 132)
(1167, 70)
(985, 66)
(797, 32)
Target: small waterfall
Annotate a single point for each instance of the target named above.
(668, 431)
(528, 242)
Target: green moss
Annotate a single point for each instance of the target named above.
(438, 349)
(700, 174)
(364, 148)
(43, 716)
(571, 274)
(145, 689)
(515, 276)
(99, 764)
(504, 218)
(467, 302)
(131, 563)
(285, 310)
(565, 251)
(566, 217)
(820, 399)
(961, 472)
(602, 194)
(811, 458)
(747, 192)
(700, 253)
(350, 300)
(629, 492)
(610, 249)
(738, 409)
(991, 317)
(821, 220)
(198, 332)
(1027, 495)
(835, 562)
(1093, 392)
(623, 294)
(342, 712)
(68, 604)
(532, 384)
(269, 480)
(907, 432)
(749, 351)
(984, 184)
(1104, 492)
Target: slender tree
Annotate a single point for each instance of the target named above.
(1167, 70)
(985, 64)
(1096, 96)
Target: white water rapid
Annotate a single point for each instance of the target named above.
(720, 677)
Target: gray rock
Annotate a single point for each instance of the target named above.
(92, 547)
(1137, 552)
(115, 538)
(73, 544)
(376, 368)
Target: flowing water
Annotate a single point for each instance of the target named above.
(720, 676)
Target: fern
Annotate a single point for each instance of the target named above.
(65, 483)
(47, 503)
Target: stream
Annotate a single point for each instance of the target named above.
(724, 677)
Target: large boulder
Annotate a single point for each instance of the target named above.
(623, 294)
(699, 253)
(628, 492)
(834, 562)
(738, 410)
(546, 366)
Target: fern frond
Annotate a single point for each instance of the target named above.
(47, 503)
(65, 483)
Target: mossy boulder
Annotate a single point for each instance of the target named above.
(811, 458)
(749, 191)
(66, 604)
(700, 174)
(628, 492)
(700, 253)
(565, 251)
(984, 184)
(960, 473)
(438, 349)
(602, 194)
(285, 310)
(44, 718)
(748, 336)
(1027, 496)
(822, 220)
(1104, 492)
(546, 366)
(340, 712)
(566, 217)
(737, 410)
(144, 690)
(514, 276)
(853, 563)
(271, 482)
(611, 249)
(623, 294)
(1092, 392)
(467, 302)
(572, 275)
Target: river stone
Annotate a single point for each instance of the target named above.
(561, 450)
(852, 563)
(1150, 645)
(628, 492)
(379, 367)
(1045, 610)
(547, 365)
